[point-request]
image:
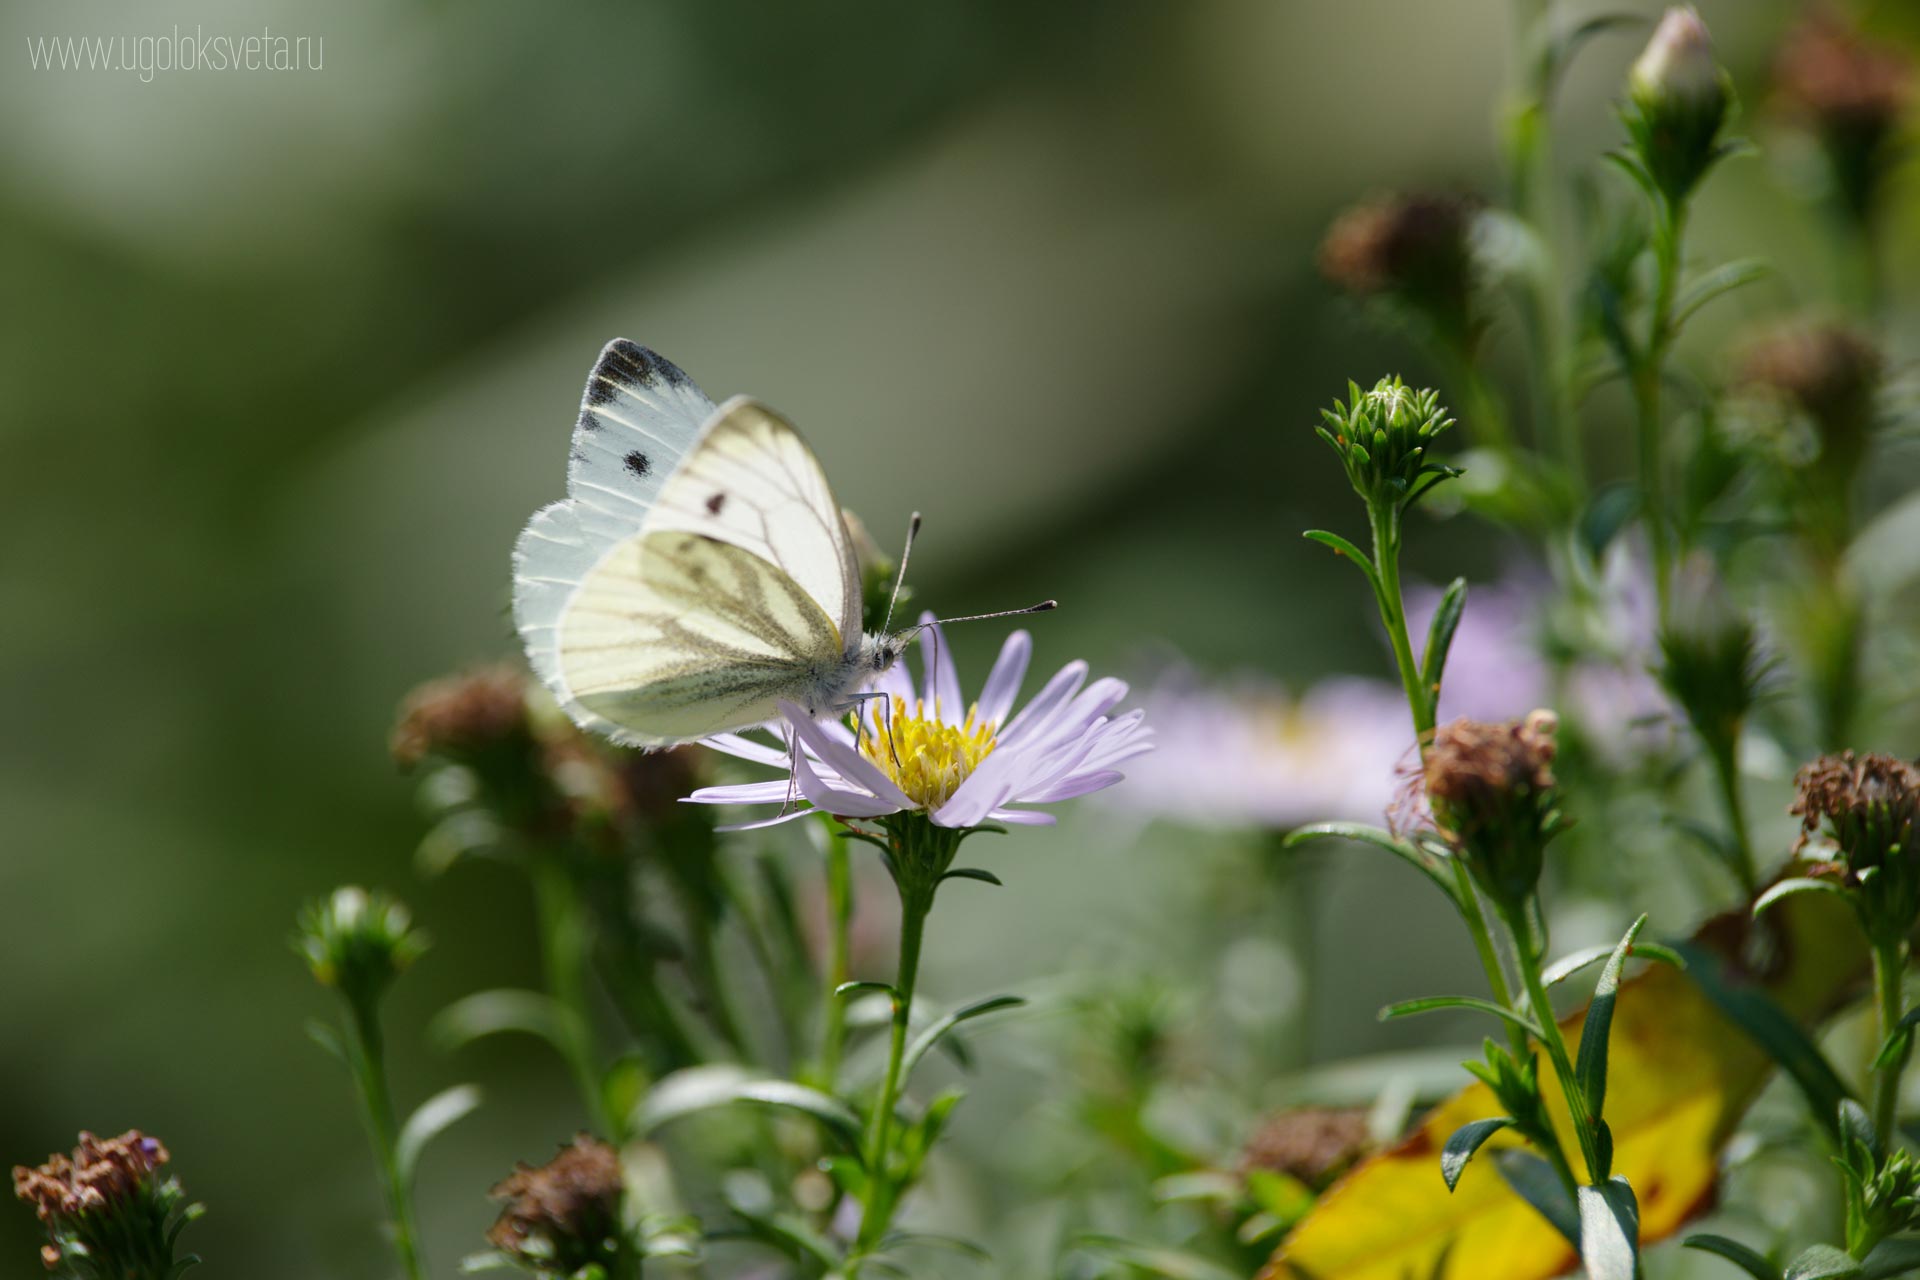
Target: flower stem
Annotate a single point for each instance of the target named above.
(1670, 228)
(376, 1103)
(915, 903)
(1540, 1004)
(1393, 614)
(1889, 971)
(1726, 772)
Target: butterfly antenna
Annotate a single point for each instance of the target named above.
(913, 531)
(1045, 606)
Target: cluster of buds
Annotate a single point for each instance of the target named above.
(1385, 439)
(105, 1211)
(1493, 794)
(1869, 807)
(1882, 1187)
(1415, 249)
(1678, 100)
(1851, 95)
(358, 942)
(563, 1219)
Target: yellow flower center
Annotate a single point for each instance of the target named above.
(924, 755)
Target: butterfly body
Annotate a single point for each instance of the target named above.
(699, 572)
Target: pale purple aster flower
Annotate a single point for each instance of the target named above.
(929, 750)
(1251, 754)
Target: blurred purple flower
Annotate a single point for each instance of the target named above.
(1251, 754)
(929, 750)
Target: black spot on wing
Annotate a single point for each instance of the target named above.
(714, 503)
(638, 463)
(624, 363)
(588, 421)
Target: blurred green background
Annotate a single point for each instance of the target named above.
(288, 358)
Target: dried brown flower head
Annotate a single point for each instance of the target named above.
(1492, 790)
(1870, 805)
(462, 715)
(98, 1175)
(1852, 93)
(1313, 1144)
(565, 1214)
(1828, 371)
(1415, 245)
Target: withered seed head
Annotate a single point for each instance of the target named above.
(461, 715)
(1313, 1144)
(1852, 93)
(1493, 795)
(1417, 246)
(565, 1214)
(1829, 372)
(98, 1175)
(1870, 807)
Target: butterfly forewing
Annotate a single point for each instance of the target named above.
(753, 482)
(698, 572)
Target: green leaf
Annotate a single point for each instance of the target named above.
(971, 873)
(428, 1121)
(1590, 1068)
(1446, 620)
(931, 1036)
(1891, 1258)
(491, 1260)
(846, 989)
(933, 1240)
(723, 1084)
(1428, 861)
(1733, 1251)
(1533, 1180)
(1754, 1012)
(1342, 547)
(1611, 510)
(1428, 1004)
(327, 1038)
(492, 1013)
(1896, 1041)
(1787, 888)
(1724, 278)
(1466, 1140)
(1823, 1262)
(1610, 1231)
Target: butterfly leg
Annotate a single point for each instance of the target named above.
(856, 703)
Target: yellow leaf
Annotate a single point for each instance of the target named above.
(1680, 1076)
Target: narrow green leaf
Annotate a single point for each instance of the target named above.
(931, 1036)
(1466, 1140)
(1428, 861)
(1429, 1004)
(492, 1013)
(1723, 279)
(327, 1038)
(1787, 888)
(933, 1240)
(1891, 1258)
(1446, 620)
(1590, 1068)
(1754, 1012)
(1733, 1251)
(1533, 1180)
(1823, 1262)
(1611, 510)
(971, 873)
(1361, 560)
(1610, 1231)
(846, 989)
(703, 1088)
(1896, 1040)
(428, 1121)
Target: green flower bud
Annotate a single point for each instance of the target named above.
(1384, 438)
(358, 942)
(1495, 799)
(1677, 101)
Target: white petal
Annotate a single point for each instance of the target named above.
(747, 749)
(774, 821)
(1022, 817)
(1065, 683)
(941, 683)
(773, 792)
(855, 768)
(848, 804)
(1003, 682)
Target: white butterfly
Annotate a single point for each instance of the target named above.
(699, 572)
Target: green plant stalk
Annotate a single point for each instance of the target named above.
(1646, 397)
(563, 943)
(368, 1061)
(1726, 772)
(1422, 703)
(915, 904)
(1889, 970)
(833, 1031)
(1585, 1125)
